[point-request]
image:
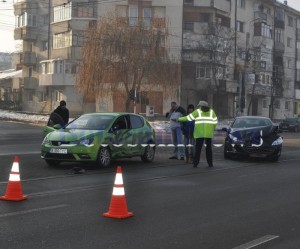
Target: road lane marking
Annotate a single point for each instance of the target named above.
(33, 210)
(20, 153)
(257, 242)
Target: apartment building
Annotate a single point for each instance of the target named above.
(52, 34)
(256, 72)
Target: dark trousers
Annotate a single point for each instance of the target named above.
(198, 147)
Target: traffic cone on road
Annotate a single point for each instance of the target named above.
(118, 206)
(14, 188)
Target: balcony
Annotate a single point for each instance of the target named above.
(25, 33)
(30, 83)
(24, 5)
(57, 79)
(279, 46)
(29, 58)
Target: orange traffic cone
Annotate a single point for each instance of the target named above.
(14, 188)
(118, 207)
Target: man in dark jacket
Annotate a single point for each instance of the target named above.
(63, 112)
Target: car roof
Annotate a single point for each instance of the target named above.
(254, 117)
(110, 113)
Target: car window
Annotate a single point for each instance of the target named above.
(120, 123)
(250, 122)
(136, 122)
(91, 122)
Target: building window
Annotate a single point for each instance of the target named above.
(147, 15)
(83, 10)
(287, 105)
(133, 16)
(202, 72)
(188, 2)
(240, 26)
(279, 35)
(261, 29)
(188, 26)
(44, 45)
(289, 42)
(289, 63)
(265, 103)
(290, 21)
(277, 104)
(241, 4)
(62, 12)
(62, 40)
(159, 12)
(26, 20)
(59, 95)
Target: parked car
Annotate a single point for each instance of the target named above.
(253, 136)
(100, 138)
(290, 124)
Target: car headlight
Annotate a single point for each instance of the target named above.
(233, 138)
(86, 141)
(46, 141)
(278, 141)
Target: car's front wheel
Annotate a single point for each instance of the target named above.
(274, 158)
(149, 154)
(104, 157)
(52, 163)
(226, 154)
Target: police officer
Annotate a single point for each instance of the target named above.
(205, 124)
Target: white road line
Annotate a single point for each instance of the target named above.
(33, 210)
(257, 242)
(20, 153)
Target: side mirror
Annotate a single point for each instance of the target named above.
(57, 126)
(224, 129)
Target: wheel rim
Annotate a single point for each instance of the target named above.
(104, 157)
(149, 153)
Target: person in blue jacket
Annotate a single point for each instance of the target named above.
(188, 132)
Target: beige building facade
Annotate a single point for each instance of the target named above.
(241, 56)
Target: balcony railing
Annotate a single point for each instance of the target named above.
(29, 58)
(25, 33)
(57, 79)
(30, 83)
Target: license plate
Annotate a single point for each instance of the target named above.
(59, 151)
(258, 155)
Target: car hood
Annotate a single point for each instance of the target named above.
(72, 135)
(251, 134)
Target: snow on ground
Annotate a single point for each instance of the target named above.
(42, 119)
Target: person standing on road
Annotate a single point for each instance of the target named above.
(205, 124)
(176, 112)
(188, 133)
(63, 112)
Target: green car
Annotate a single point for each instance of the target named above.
(99, 138)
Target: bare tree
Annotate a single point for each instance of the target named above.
(215, 49)
(128, 56)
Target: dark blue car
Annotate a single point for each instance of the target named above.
(253, 136)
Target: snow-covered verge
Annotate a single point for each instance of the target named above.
(42, 119)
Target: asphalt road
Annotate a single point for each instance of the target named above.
(238, 204)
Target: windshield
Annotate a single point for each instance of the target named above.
(91, 122)
(250, 122)
(290, 120)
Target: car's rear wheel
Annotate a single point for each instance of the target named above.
(104, 157)
(149, 154)
(52, 163)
